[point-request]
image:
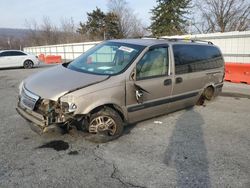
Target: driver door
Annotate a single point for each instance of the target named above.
(150, 86)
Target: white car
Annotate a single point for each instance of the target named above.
(17, 58)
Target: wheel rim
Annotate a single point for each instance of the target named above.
(27, 64)
(103, 124)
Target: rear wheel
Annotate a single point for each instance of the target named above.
(209, 93)
(28, 64)
(105, 125)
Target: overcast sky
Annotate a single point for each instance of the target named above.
(13, 13)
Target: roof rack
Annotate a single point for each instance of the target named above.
(149, 37)
(177, 39)
(186, 40)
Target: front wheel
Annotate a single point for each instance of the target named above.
(105, 125)
(28, 64)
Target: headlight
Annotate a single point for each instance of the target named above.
(68, 103)
(20, 87)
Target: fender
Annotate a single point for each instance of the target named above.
(88, 109)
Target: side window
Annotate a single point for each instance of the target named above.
(4, 54)
(194, 58)
(11, 53)
(17, 53)
(153, 64)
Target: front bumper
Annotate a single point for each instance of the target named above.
(37, 122)
(32, 116)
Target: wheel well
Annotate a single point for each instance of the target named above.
(28, 60)
(112, 106)
(210, 86)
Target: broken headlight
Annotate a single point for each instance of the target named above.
(68, 103)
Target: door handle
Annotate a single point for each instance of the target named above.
(167, 82)
(178, 80)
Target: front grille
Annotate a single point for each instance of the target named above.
(28, 99)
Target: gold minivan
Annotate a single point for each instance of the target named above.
(119, 82)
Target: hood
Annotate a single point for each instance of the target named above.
(57, 81)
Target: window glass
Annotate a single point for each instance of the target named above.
(193, 58)
(17, 53)
(153, 64)
(108, 58)
(12, 53)
(5, 54)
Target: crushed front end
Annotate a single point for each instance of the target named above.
(44, 114)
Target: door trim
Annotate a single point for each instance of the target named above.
(137, 107)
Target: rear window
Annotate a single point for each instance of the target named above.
(194, 58)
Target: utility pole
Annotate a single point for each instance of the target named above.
(9, 42)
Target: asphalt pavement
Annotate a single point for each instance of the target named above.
(203, 146)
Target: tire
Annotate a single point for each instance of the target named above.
(209, 93)
(105, 125)
(28, 64)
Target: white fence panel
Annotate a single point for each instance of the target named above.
(66, 51)
(235, 46)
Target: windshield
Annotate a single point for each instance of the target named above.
(107, 58)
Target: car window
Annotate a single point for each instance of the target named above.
(154, 63)
(3, 54)
(193, 58)
(17, 53)
(12, 53)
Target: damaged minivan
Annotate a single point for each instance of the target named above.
(119, 82)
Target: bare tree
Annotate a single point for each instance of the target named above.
(129, 24)
(224, 15)
(33, 36)
(46, 33)
(10, 42)
(68, 31)
(49, 32)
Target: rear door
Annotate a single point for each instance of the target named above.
(17, 58)
(189, 76)
(150, 85)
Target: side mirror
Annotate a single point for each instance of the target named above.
(133, 75)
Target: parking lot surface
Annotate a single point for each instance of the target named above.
(203, 146)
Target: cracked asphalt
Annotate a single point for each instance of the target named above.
(203, 146)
